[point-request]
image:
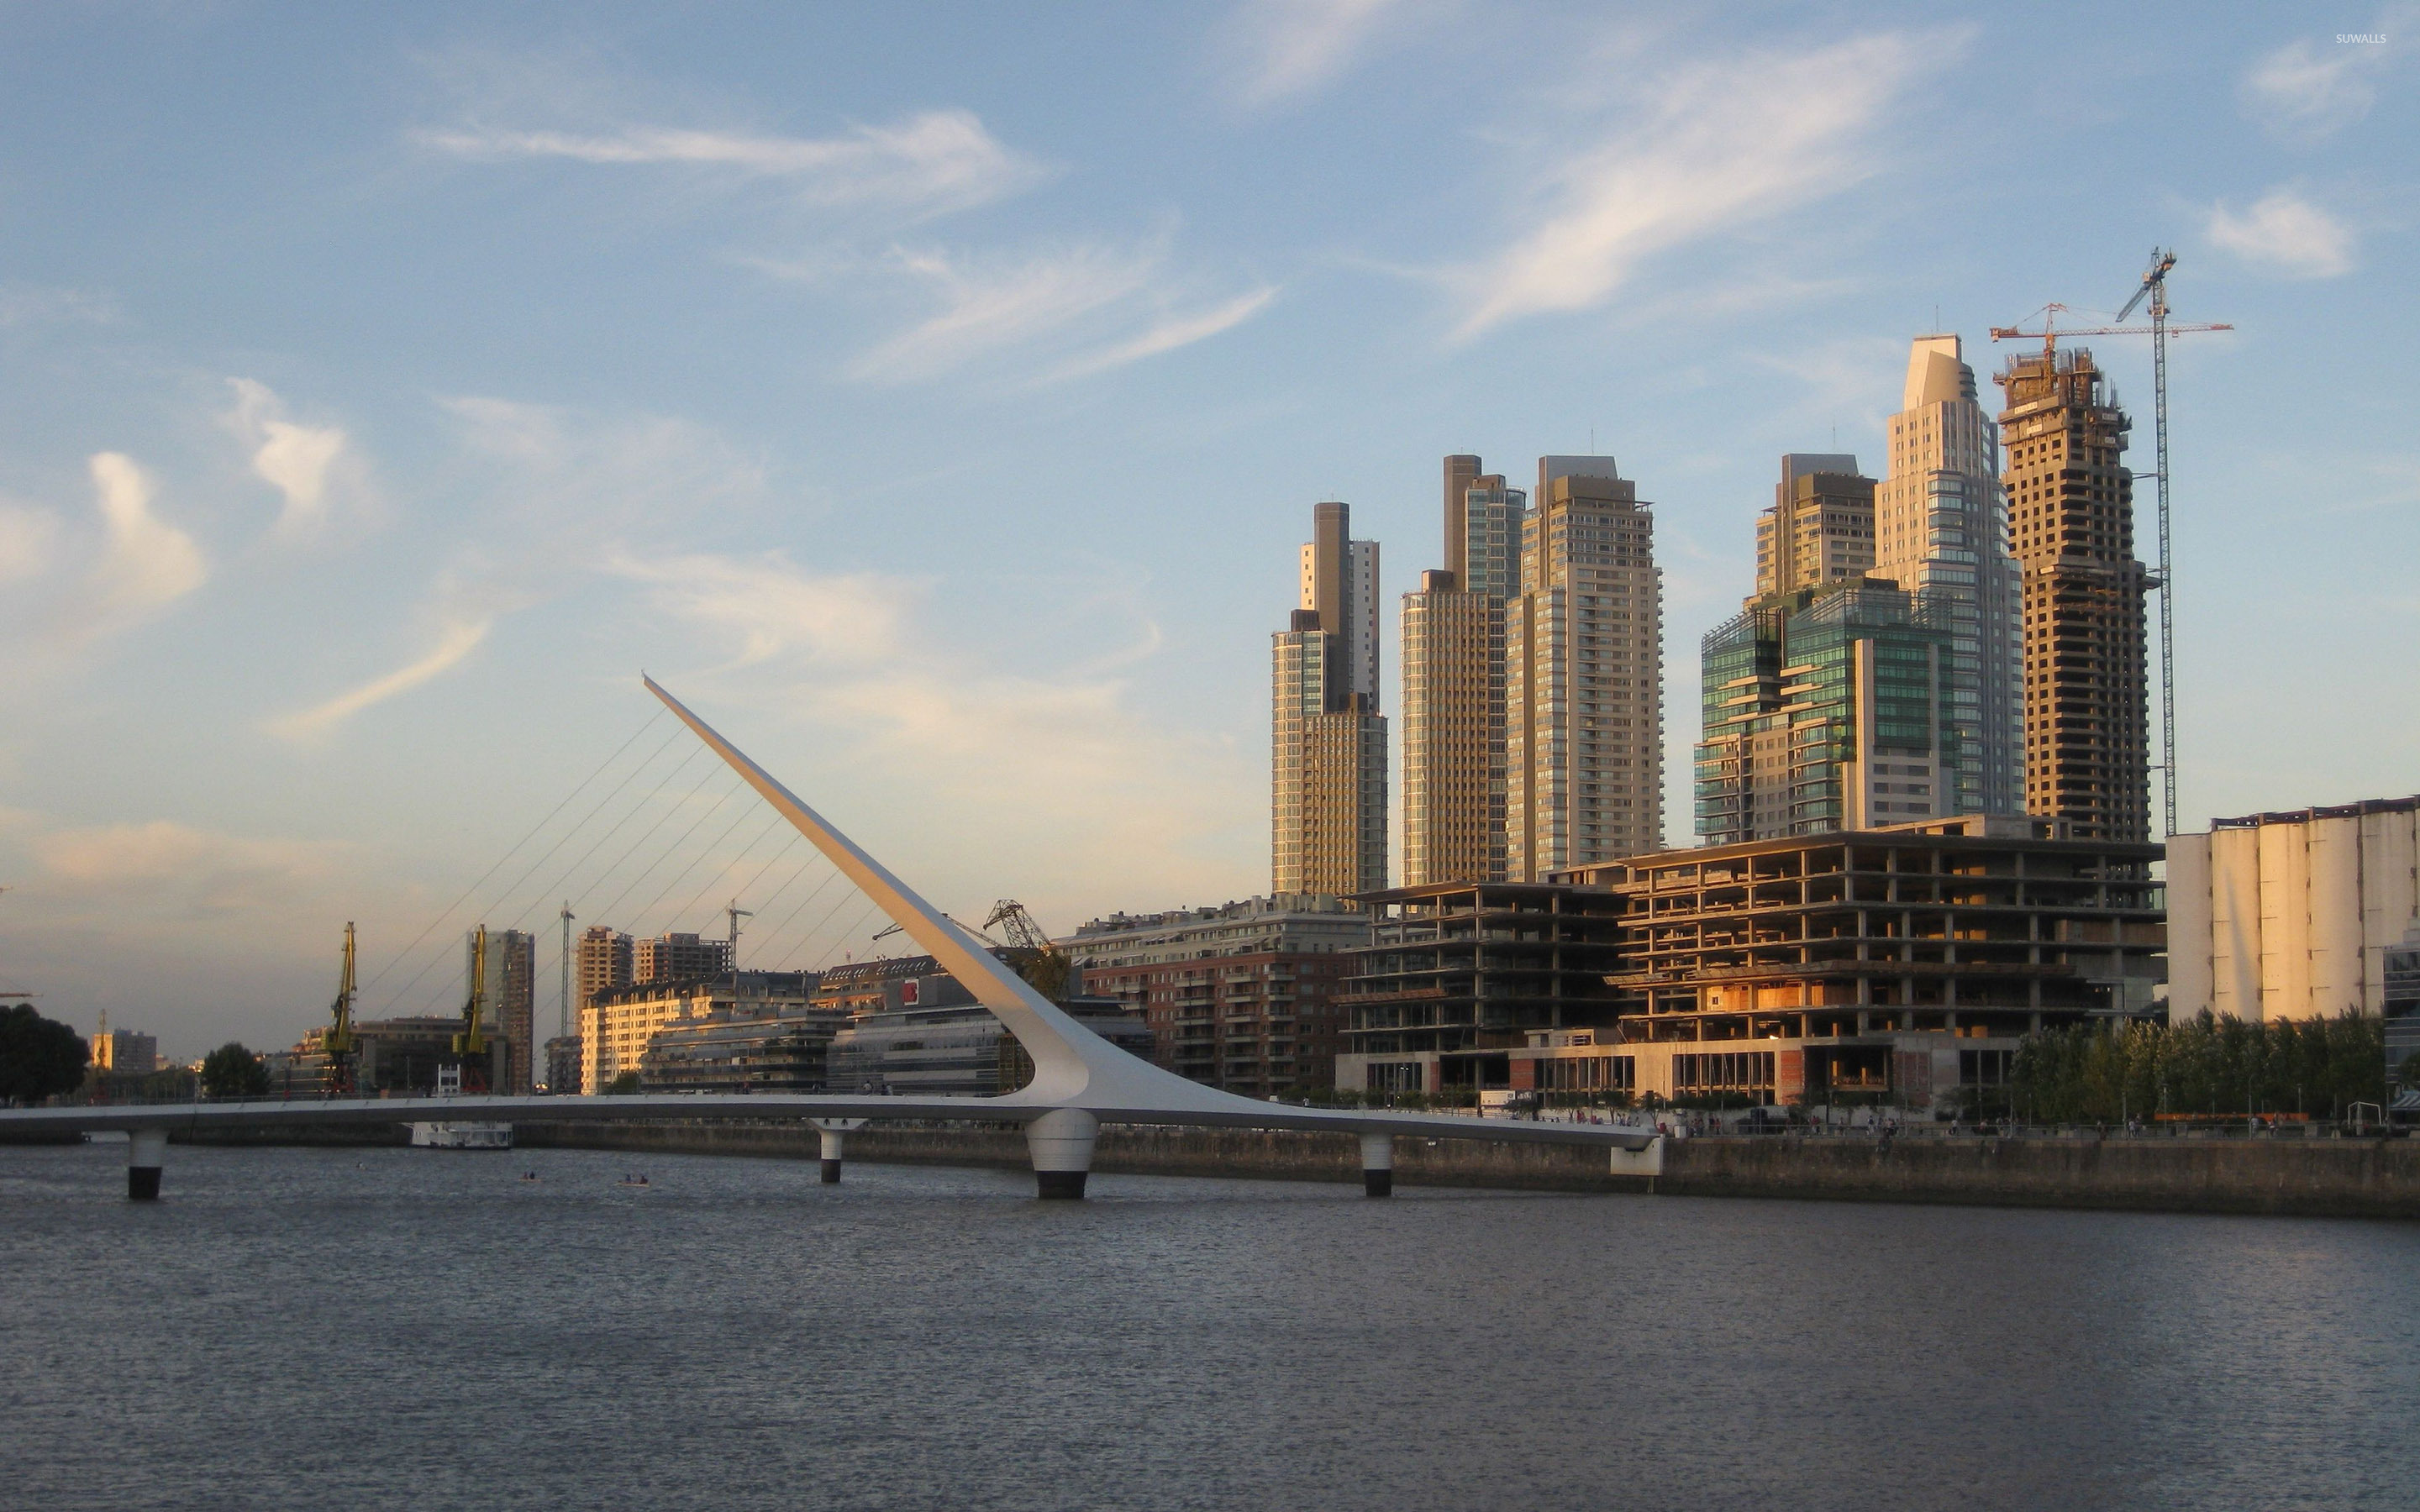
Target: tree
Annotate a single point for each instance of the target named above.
(231, 1070)
(40, 1058)
(623, 1085)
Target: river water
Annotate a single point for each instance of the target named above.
(390, 1328)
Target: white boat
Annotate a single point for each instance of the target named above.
(462, 1136)
(459, 1134)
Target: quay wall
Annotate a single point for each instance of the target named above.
(2312, 1178)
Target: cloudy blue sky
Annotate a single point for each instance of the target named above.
(935, 396)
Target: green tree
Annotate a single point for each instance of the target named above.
(623, 1085)
(40, 1058)
(231, 1070)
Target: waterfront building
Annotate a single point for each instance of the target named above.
(1328, 742)
(1453, 733)
(562, 1064)
(764, 1037)
(1453, 683)
(1827, 708)
(2399, 979)
(914, 1030)
(2071, 511)
(399, 1056)
(1240, 996)
(1820, 527)
(1461, 974)
(509, 992)
(1583, 689)
(601, 961)
(1901, 964)
(123, 1052)
(2291, 915)
(618, 1025)
(677, 957)
(1941, 532)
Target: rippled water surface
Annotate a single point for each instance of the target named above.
(390, 1328)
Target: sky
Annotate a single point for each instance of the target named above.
(934, 396)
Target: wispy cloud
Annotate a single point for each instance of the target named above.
(931, 162)
(1710, 149)
(455, 641)
(2287, 234)
(985, 310)
(300, 461)
(1169, 334)
(1282, 48)
(1088, 295)
(772, 609)
(2312, 89)
(146, 564)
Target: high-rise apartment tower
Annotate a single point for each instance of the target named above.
(1328, 741)
(1941, 533)
(1453, 685)
(1820, 527)
(2071, 504)
(1583, 675)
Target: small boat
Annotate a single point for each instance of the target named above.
(462, 1136)
(634, 1181)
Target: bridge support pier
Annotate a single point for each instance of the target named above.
(1062, 1144)
(1378, 1165)
(147, 1151)
(833, 1129)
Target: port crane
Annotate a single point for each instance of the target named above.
(1030, 954)
(343, 1053)
(2155, 286)
(470, 1044)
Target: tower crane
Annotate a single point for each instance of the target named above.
(2155, 286)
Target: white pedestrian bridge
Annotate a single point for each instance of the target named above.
(1081, 1081)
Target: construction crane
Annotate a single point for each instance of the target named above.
(2155, 288)
(471, 1045)
(1029, 951)
(339, 1044)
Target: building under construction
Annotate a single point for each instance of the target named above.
(1900, 963)
(2072, 523)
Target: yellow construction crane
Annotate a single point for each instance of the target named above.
(339, 1043)
(471, 1045)
(1029, 951)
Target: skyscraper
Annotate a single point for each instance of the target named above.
(1339, 580)
(1583, 683)
(1328, 742)
(1825, 709)
(1453, 735)
(1453, 685)
(2071, 501)
(1941, 533)
(1820, 527)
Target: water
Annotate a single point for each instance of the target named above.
(388, 1328)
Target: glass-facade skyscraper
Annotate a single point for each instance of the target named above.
(1941, 528)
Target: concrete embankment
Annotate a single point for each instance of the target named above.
(2316, 1178)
